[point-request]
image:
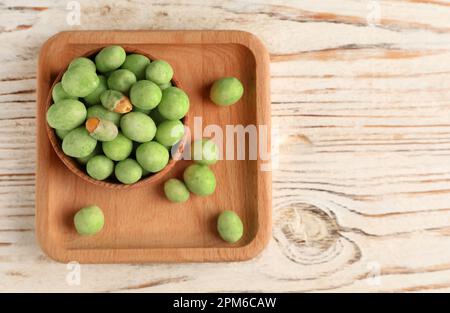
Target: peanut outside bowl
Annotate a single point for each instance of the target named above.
(77, 169)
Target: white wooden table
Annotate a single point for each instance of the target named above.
(361, 94)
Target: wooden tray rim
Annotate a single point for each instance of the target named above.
(169, 255)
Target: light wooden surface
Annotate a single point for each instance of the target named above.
(362, 191)
(140, 224)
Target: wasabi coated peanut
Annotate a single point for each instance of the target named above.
(99, 167)
(160, 72)
(128, 171)
(102, 113)
(79, 81)
(175, 190)
(137, 64)
(226, 91)
(115, 101)
(169, 133)
(174, 104)
(66, 114)
(100, 129)
(82, 61)
(145, 94)
(58, 93)
(110, 58)
(118, 149)
(84, 160)
(152, 156)
(230, 226)
(89, 220)
(121, 80)
(61, 133)
(199, 179)
(205, 152)
(138, 127)
(94, 97)
(78, 143)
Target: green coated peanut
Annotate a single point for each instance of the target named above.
(137, 64)
(174, 103)
(152, 156)
(78, 143)
(121, 80)
(66, 114)
(110, 58)
(101, 129)
(199, 179)
(175, 190)
(128, 171)
(160, 72)
(79, 81)
(100, 167)
(230, 226)
(226, 91)
(115, 101)
(89, 220)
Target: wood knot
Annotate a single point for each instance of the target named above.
(306, 234)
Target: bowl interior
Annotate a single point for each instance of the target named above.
(79, 169)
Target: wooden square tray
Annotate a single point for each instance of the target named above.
(140, 224)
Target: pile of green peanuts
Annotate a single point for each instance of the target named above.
(118, 114)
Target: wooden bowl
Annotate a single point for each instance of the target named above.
(79, 170)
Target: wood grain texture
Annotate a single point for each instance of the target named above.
(361, 193)
(140, 224)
